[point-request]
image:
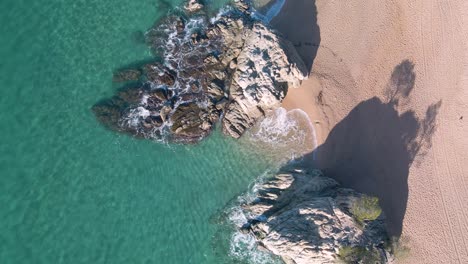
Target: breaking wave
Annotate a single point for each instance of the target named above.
(243, 246)
(283, 135)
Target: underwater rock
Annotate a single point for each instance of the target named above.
(126, 75)
(305, 218)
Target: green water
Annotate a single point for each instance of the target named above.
(74, 192)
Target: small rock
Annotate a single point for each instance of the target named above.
(180, 25)
(221, 104)
(242, 5)
(206, 125)
(233, 65)
(210, 60)
(165, 110)
(193, 6)
(160, 94)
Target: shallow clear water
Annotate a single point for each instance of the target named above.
(74, 192)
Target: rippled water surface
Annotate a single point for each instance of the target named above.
(74, 192)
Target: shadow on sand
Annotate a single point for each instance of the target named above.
(297, 21)
(372, 149)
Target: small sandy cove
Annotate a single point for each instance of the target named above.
(388, 96)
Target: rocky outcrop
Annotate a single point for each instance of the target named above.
(305, 218)
(231, 66)
(267, 66)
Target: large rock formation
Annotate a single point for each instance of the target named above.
(306, 218)
(230, 64)
(267, 66)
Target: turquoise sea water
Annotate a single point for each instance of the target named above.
(74, 192)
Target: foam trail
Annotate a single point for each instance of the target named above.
(314, 133)
(283, 135)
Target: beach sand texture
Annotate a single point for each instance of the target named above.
(388, 96)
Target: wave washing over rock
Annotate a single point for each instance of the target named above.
(230, 67)
(307, 218)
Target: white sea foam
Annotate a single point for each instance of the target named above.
(244, 247)
(135, 116)
(222, 11)
(192, 26)
(144, 99)
(283, 135)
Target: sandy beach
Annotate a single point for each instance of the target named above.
(388, 96)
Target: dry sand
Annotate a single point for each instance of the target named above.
(388, 95)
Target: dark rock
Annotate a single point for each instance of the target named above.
(164, 113)
(159, 74)
(160, 94)
(153, 121)
(186, 123)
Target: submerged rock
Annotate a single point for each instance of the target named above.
(126, 75)
(231, 65)
(305, 218)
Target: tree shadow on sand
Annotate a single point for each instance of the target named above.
(372, 149)
(297, 22)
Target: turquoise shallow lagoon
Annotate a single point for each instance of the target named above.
(74, 192)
